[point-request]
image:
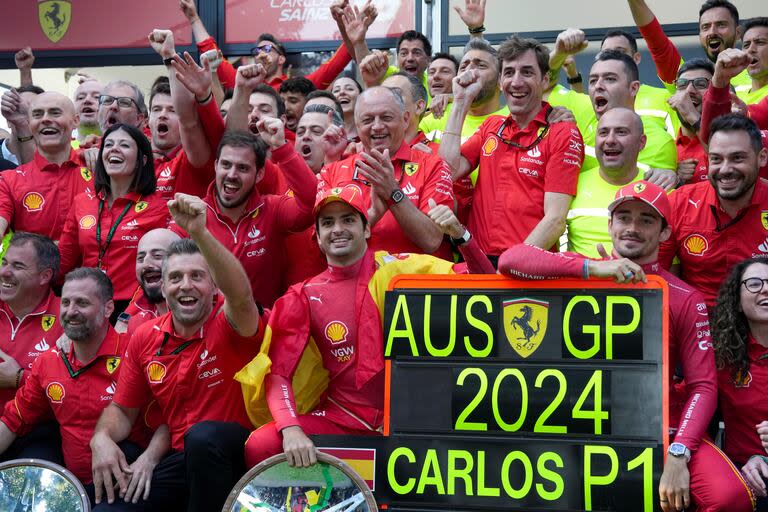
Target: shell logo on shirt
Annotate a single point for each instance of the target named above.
(33, 201)
(141, 206)
(489, 146)
(696, 245)
(88, 222)
(764, 219)
(156, 372)
(336, 332)
(47, 322)
(86, 173)
(55, 391)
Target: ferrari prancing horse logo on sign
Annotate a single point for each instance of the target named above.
(54, 16)
(525, 323)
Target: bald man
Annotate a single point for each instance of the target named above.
(36, 197)
(148, 302)
(618, 141)
(396, 180)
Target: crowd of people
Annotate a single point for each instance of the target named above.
(192, 285)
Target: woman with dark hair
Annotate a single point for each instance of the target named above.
(740, 338)
(346, 90)
(104, 226)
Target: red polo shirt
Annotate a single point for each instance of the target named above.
(175, 174)
(76, 402)
(256, 238)
(508, 201)
(131, 216)
(38, 195)
(421, 177)
(192, 379)
(141, 311)
(708, 241)
(25, 338)
(743, 404)
(690, 147)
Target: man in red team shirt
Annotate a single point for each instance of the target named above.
(36, 196)
(185, 361)
(339, 310)
(528, 168)
(717, 224)
(397, 181)
(29, 326)
(695, 469)
(253, 225)
(148, 302)
(74, 387)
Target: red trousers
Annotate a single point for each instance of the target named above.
(716, 484)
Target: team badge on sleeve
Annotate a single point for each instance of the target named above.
(525, 323)
(141, 206)
(112, 364)
(47, 322)
(55, 392)
(86, 173)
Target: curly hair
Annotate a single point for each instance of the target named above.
(729, 325)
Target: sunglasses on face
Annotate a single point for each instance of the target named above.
(265, 48)
(699, 83)
(122, 101)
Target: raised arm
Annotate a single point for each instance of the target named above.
(663, 51)
(568, 43)
(189, 212)
(466, 87)
(717, 99)
(248, 77)
(16, 111)
(24, 60)
(225, 71)
(184, 103)
(473, 16)
(353, 23)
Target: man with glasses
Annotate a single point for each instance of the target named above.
(695, 470)
(693, 78)
(718, 224)
(121, 102)
(528, 169)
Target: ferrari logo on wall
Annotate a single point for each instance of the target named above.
(525, 323)
(54, 16)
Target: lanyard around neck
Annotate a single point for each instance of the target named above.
(112, 229)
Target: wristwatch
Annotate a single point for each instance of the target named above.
(396, 196)
(464, 238)
(679, 450)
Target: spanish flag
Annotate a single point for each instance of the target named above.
(361, 460)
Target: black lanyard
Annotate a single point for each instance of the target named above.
(177, 350)
(731, 222)
(508, 121)
(72, 373)
(112, 229)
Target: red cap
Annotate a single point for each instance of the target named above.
(350, 193)
(650, 194)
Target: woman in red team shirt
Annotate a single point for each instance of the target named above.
(740, 337)
(104, 226)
